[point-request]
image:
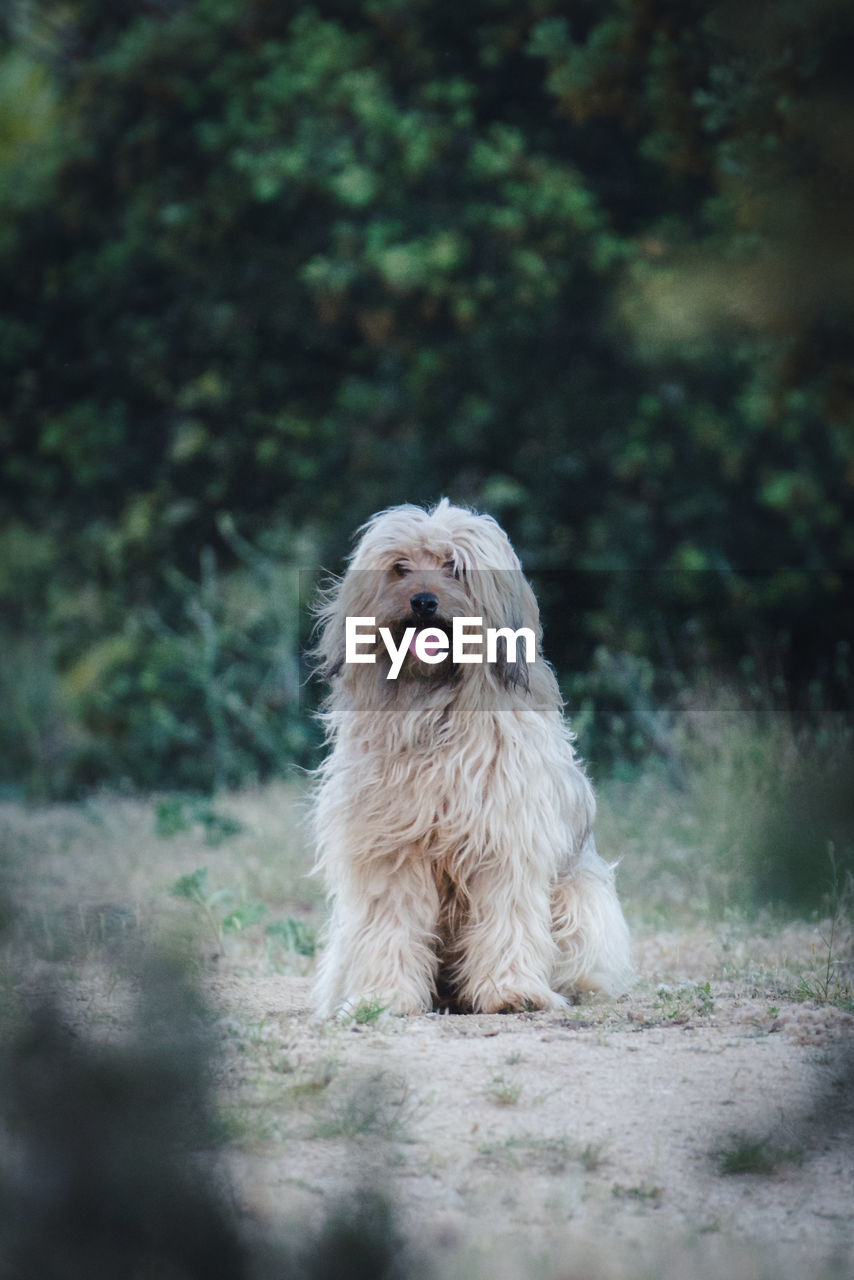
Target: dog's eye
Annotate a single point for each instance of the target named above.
(450, 564)
(401, 569)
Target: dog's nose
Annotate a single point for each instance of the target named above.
(424, 604)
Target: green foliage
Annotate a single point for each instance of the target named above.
(223, 910)
(688, 1000)
(293, 935)
(746, 1154)
(504, 1093)
(177, 815)
(268, 269)
(227, 909)
(367, 1011)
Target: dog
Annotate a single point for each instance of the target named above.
(452, 818)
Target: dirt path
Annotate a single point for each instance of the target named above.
(612, 1123)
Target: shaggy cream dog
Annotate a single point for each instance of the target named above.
(452, 818)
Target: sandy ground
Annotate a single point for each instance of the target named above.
(601, 1133)
(608, 1123)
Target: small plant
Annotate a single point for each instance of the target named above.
(688, 1000)
(746, 1154)
(367, 1011)
(824, 985)
(194, 887)
(644, 1191)
(504, 1093)
(705, 999)
(530, 1151)
(590, 1156)
(549, 1155)
(378, 1106)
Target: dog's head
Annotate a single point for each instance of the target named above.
(414, 571)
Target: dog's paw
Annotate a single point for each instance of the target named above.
(370, 1007)
(506, 1000)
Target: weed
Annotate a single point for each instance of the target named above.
(644, 1191)
(549, 1155)
(824, 985)
(194, 887)
(504, 1093)
(367, 1011)
(261, 1040)
(705, 999)
(378, 1106)
(590, 1156)
(73, 931)
(746, 1154)
(688, 1000)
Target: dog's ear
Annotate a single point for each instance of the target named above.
(327, 652)
(514, 673)
(504, 599)
(357, 594)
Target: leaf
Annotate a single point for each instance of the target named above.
(192, 885)
(243, 917)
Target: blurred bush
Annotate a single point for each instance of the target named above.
(109, 1167)
(103, 1171)
(199, 689)
(268, 269)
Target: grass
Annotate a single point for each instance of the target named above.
(747, 823)
(824, 982)
(644, 1192)
(378, 1105)
(227, 910)
(686, 1001)
(547, 1154)
(504, 1093)
(366, 1012)
(746, 1154)
(314, 1080)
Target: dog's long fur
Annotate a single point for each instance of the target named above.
(452, 818)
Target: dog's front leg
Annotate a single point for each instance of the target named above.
(382, 940)
(506, 951)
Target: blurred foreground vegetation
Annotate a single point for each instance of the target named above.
(265, 269)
